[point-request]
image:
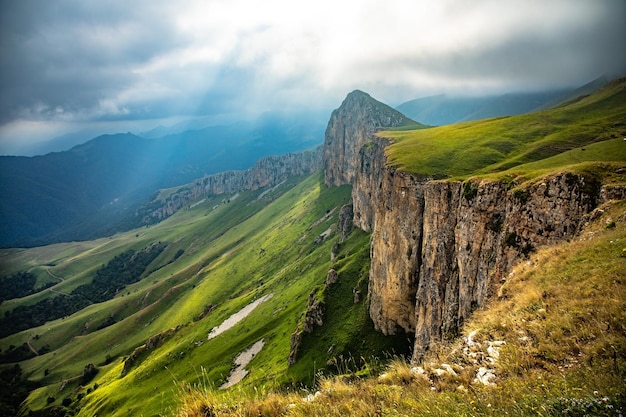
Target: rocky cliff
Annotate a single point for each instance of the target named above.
(349, 128)
(267, 172)
(440, 248)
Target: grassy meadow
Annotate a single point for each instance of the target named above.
(551, 138)
(555, 333)
(242, 250)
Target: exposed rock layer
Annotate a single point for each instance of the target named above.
(267, 172)
(440, 247)
(349, 128)
(313, 317)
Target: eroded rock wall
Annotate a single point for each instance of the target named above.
(268, 171)
(440, 248)
(349, 128)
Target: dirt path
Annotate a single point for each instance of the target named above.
(241, 361)
(57, 291)
(237, 317)
(31, 346)
(53, 275)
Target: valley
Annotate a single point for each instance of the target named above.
(407, 247)
(241, 251)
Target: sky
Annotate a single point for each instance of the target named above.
(111, 65)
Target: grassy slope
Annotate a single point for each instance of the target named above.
(561, 318)
(564, 336)
(496, 145)
(223, 264)
(347, 340)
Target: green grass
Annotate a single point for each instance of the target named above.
(248, 248)
(347, 340)
(232, 255)
(499, 144)
(560, 316)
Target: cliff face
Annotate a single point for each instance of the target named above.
(440, 248)
(268, 171)
(349, 128)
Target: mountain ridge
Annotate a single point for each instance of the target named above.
(349, 128)
(430, 253)
(442, 109)
(439, 248)
(91, 190)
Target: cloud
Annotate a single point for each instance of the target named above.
(75, 61)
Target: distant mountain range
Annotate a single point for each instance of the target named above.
(443, 110)
(89, 190)
(92, 189)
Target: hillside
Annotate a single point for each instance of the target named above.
(442, 110)
(92, 189)
(498, 144)
(476, 257)
(444, 249)
(235, 249)
(550, 344)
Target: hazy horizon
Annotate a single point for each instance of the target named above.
(72, 66)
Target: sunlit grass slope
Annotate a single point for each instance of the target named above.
(244, 249)
(556, 330)
(495, 145)
(559, 328)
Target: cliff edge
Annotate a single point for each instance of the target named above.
(349, 128)
(441, 248)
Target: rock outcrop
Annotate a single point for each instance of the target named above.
(140, 352)
(346, 213)
(349, 128)
(313, 317)
(267, 172)
(440, 248)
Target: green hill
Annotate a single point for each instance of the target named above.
(155, 344)
(235, 249)
(495, 145)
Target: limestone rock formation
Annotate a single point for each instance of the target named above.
(267, 172)
(349, 128)
(346, 213)
(332, 277)
(368, 180)
(313, 317)
(440, 247)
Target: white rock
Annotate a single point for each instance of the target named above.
(418, 370)
(469, 340)
(485, 376)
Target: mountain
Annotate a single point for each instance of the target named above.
(57, 144)
(444, 110)
(349, 128)
(584, 90)
(476, 258)
(91, 190)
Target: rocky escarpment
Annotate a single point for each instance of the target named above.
(313, 317)
(349, 128)
(440, 248)
(267, 172)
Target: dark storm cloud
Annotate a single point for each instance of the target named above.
(68, 56)
(77, 61)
